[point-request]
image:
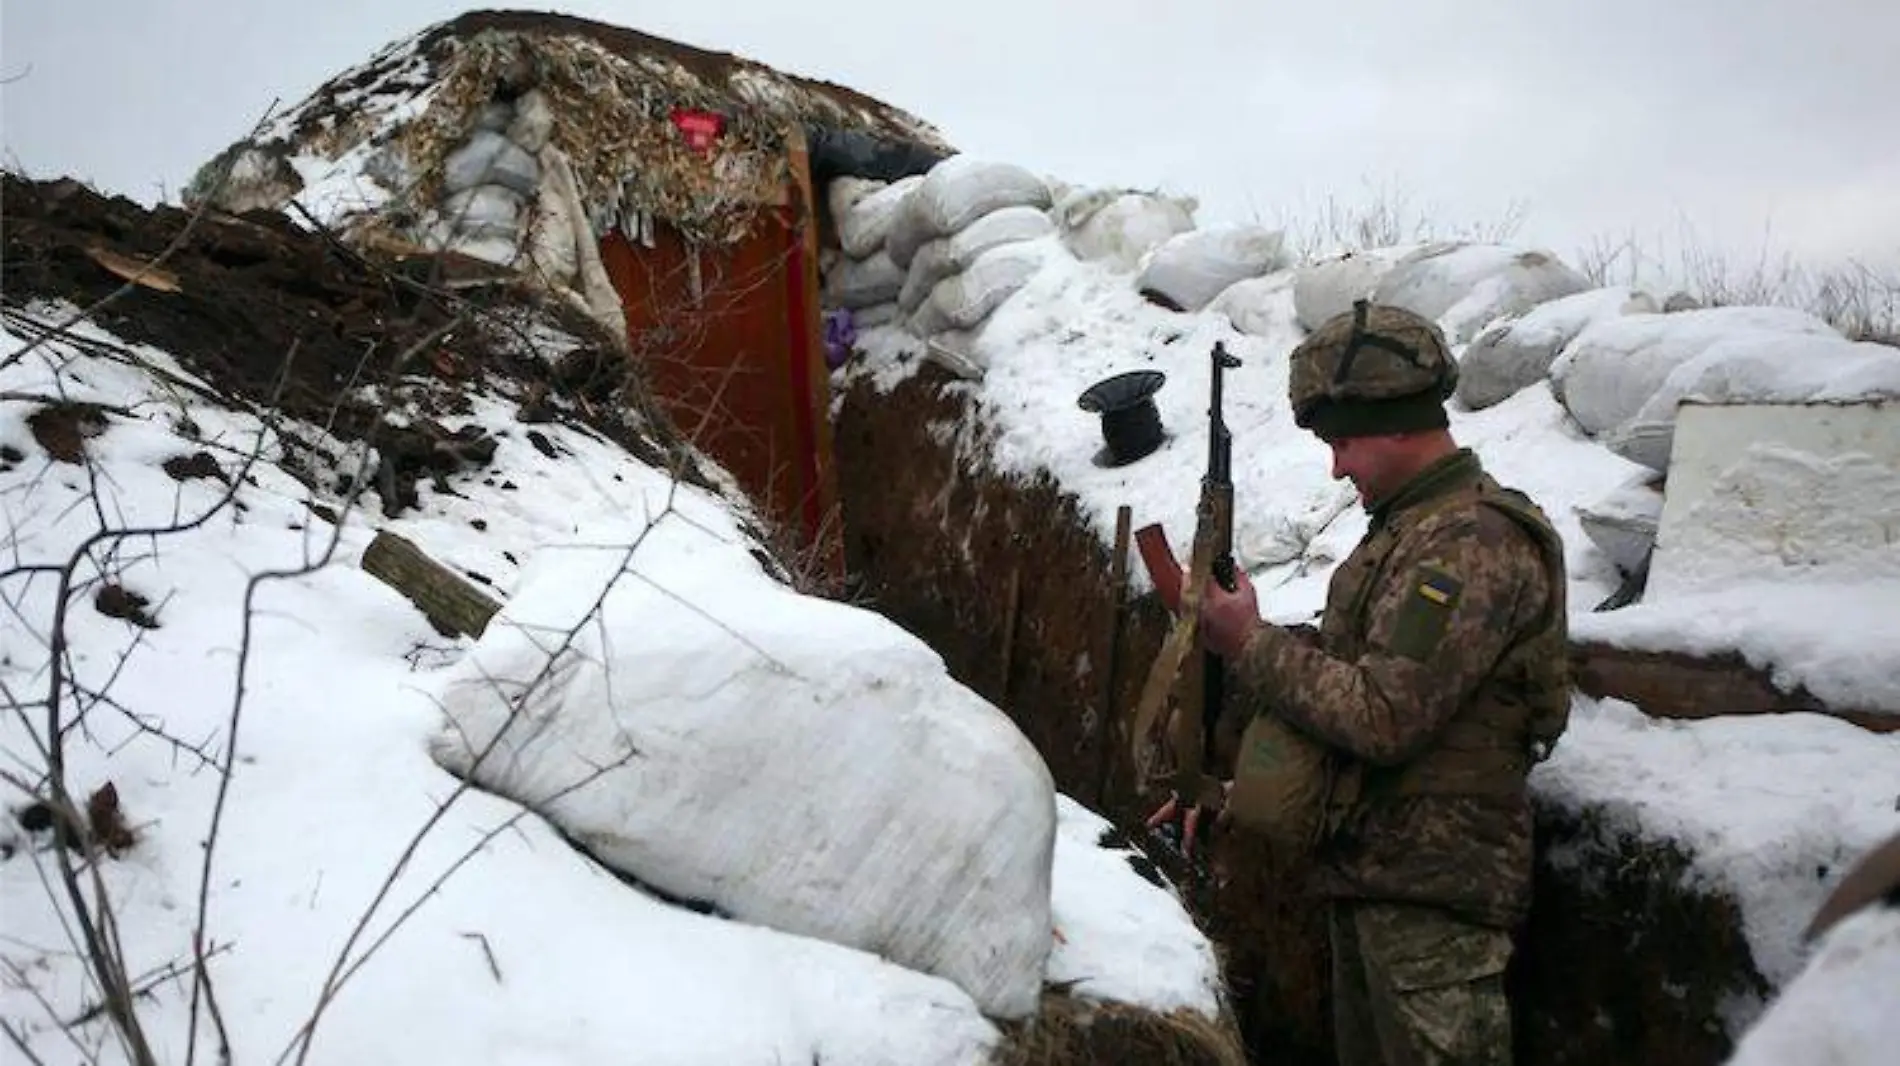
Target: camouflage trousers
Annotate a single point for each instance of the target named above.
(1415, 986)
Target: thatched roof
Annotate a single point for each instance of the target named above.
(390, 123)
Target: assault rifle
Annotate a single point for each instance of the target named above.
(1199, 689)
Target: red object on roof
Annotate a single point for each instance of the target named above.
(700, 128)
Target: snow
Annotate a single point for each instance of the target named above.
(1840, 1010)
(1771, 810)
(526, 951)
(694, 722)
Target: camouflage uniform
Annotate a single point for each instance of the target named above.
(1437, 676)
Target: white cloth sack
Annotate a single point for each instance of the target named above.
(1757, 368)
(956, 192)
(1259, 307)
(1327, 288)
(855, 283)
(1623, 524)
(1517, 352)
(1464, 287)
(1190, 269)
(943, 256)
(1117, 228)
(1606, 375)
(865, 222)
(963, 301)
(799, 763)
(488, 156)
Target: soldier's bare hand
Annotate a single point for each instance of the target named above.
(1228, 619)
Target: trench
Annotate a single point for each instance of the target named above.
(1620, 961)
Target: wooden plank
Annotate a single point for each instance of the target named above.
(1668, 684)
(819, 480)
(448, 599)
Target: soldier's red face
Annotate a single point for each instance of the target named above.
(1369, 462)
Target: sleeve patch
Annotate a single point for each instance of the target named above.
(1425, 614)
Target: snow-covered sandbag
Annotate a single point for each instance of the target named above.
(878, 315)
(533, 122)
(1758, 368)
(1612, 368)
(1327, 288)
(1260, 307)
(1464, 287)
(943, 256)
(484, 211)
(864, 226)
(1190, 269)
(1516, 353)
(490, 157)
(855, 283)
(1623, 524)
(799, 763)
(964, 300)
(956, 192)
(1839, 1010)
(1118, 228)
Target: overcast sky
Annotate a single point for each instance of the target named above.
(1754, 124)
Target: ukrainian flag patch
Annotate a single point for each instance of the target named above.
(1422, 618)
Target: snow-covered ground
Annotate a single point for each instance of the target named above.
(463, 931)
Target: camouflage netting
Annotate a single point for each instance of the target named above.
(612, 94)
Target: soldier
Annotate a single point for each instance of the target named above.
(1438, 679)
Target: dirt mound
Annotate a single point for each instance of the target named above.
(276, 316)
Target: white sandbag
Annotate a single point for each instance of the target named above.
(1464, 287)
(1259, 307)
(490, 157)
(964, 300)
(484, 211)
(1118, 228)
(1839, 1010)
(1517, 352)
(1328, 288)
(883, 314)
(866, 226)
(943, 256)
(1612, 368)
(1190, 269)
(956, 192)
(799, 763)
(533, 121)
(1757, 368)
(1623, 524)
(856, 283)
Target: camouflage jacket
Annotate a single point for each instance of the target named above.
(1440, 660)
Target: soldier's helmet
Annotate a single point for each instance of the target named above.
(1371, 370)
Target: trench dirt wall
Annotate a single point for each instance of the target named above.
(1004, 578)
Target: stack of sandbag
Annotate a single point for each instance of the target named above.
(863, 279)
(1187, 271)
(795, 762)
(1460, 285)
(1517, 351)
(1118, 227)
(1623, 377)
(1464, 287)
(967, 237)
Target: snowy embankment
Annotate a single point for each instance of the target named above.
(482, 935)
(1569, 393)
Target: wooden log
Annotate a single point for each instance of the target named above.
(1118, 599)
(451, 603)
(1675, 685)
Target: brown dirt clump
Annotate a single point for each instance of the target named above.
(1070, 1031)
(62, 429)
(284, 318)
